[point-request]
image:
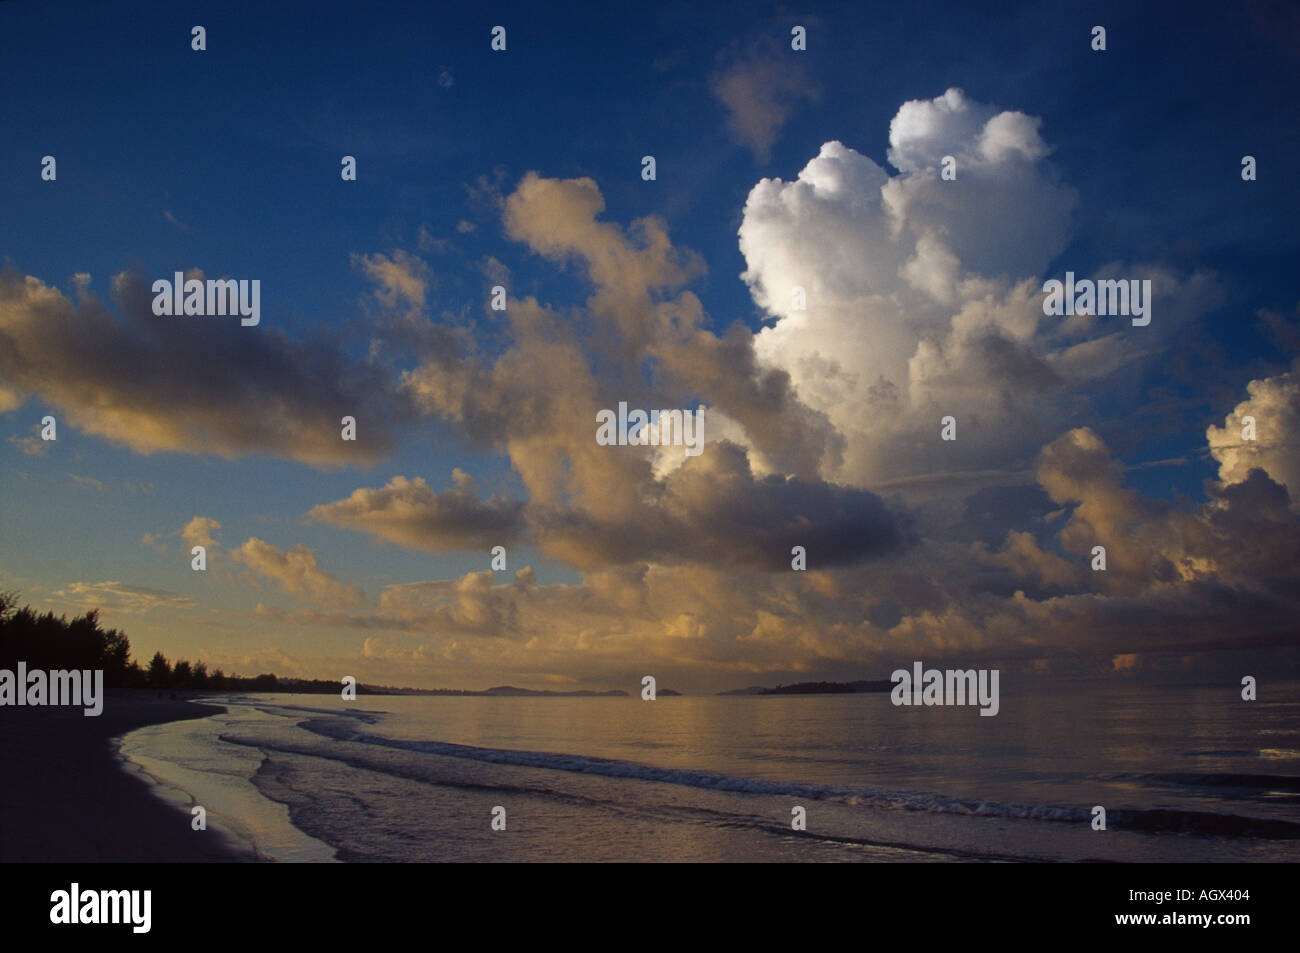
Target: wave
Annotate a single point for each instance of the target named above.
(1269, 754)
(1269, 782)
(1155, 820)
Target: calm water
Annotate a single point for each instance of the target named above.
(1184, 774)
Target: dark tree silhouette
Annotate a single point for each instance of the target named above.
(160, 671)
(50, 642)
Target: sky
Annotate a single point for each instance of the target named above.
(774, 168)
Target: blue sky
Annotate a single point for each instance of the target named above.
(228, 160)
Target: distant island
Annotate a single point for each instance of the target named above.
(508, 691)
(817, 688)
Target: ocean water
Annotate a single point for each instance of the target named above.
(1184, 773)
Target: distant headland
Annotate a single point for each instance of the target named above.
(817, 688)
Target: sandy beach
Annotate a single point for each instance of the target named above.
(68, 799)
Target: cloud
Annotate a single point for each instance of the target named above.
(761, 90)
(297, 573)
(167, 214)
(714, 510)
(922, 298)
(199, 532)
(822, 431)
(1274, 402)
(637, 322)
(896, 332)
(1125, 661)
(89, 483)
(640, 338)
(1244, 537)
(468, 606)
(154, 541)
(9, 400)
(684, 579)
(401, 278)
(922, 132)
(1191, 580)
(32, 446)
(187, 384)
(118, 597)
(410, 513)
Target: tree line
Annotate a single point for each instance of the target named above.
(50, 642)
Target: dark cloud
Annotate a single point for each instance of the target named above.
(188, 384)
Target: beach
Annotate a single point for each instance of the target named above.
(68, 797)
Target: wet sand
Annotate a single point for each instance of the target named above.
(65, 797)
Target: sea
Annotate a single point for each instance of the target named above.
(1183, 774)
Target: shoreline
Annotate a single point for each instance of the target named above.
(72, 799)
